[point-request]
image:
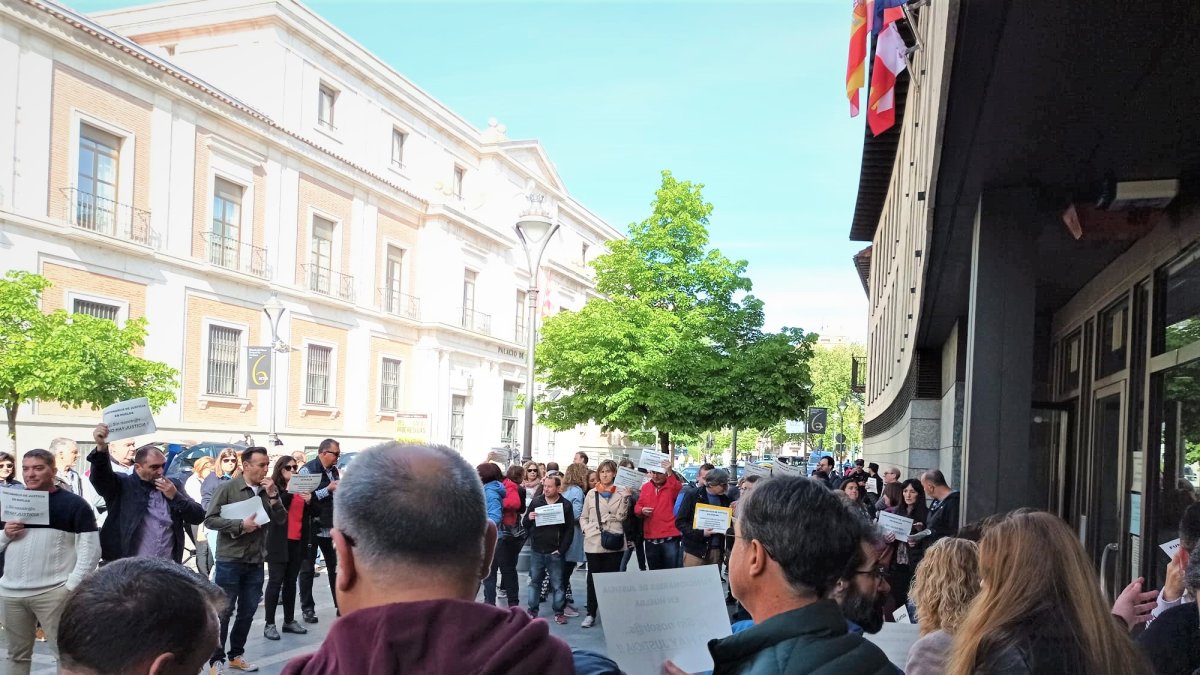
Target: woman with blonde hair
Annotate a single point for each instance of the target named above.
(1040, 611)
(947, 581)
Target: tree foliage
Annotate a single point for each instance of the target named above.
(831, 370)
(676, 345)
(74, 359)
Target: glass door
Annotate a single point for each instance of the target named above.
(1106, 496)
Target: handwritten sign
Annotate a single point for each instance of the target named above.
(304, 482)
(246, 508)
(1170, 548)
(550, 514)
(782, 469)
(897, 525)
(710, 517)
(652, 460)
(628, 478)
(650, 617)
(901, 615)
(128, 419)
(758, 470)
(31, 507)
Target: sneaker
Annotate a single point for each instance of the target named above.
(310, 616)
(294, 627)
(501, 593)
(570, 611)
(40, 635)
(560, 619)
(270, 632)
(588, 621)
(216, 668)
(238, 663)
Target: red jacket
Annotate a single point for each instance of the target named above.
(512, 503)
(661, 523)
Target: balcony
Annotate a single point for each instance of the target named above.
(858, 374)
(109, 218)
(476, 321)
(232, 254)
(400, 304)
(327, 282)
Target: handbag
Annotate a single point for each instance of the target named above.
(609, 541)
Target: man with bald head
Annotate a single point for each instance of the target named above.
(413, 542)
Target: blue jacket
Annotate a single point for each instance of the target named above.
(493, 496)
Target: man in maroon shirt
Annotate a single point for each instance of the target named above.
(656, 506)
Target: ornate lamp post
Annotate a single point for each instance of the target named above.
(535, 228)
(274, 311)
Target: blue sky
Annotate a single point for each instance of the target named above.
(746, 98)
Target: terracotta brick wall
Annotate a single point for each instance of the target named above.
(316, 418)
(329, 200)
(253, 233)
(224, 415)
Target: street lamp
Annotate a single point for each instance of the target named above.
(841, 406)
(535, 227)
(274, 311)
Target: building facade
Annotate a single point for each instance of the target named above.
(148, 172)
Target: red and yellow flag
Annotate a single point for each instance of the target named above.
(856, 66)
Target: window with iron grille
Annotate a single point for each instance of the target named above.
(508, 413)
(316, 389)
(100, 310)
(458, 415)
(389, 385)
(224, 348)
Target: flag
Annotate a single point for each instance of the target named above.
(856, 67)
(889, 63)
(883, 13)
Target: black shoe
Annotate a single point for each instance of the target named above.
(294, 627)
(310, 616)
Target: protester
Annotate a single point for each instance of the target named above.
(906, 556)
(121, 453)
(783, 575)
(874, 481)
(193, 486)
(1039, 609)
(1172, 640)
(703, 547)
(945, 584)
(890, 476)
(147, 513)
(574, 481)
(701, 476)
(580, 458)
(854, 491)
(510, 535)
(893, 496)
(66, 455)
(655, 506)
(833, 479)
(414, 539)
(943, 510)
(863, 590)
(319, 509)
(533, 480)
(241, 553)
(635, 538)
(551, 466)
(1175, 592)
(593, 479)
(604, 512)
(548, 543)
(300, 457)
(167, 617)
(45, 563)
(285, 551)
(224, 469)
(8, 471)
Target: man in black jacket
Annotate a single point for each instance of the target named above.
(943, 510)
(319, 513)
(548, 544)
(703, 547)
(146, 512)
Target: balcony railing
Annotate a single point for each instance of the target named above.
(327, 282)
(400, 304)
(236, 255)
(477, 321)
(109, 218)
(858, 374)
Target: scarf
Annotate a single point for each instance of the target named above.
(606, 491)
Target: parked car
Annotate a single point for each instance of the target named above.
(691, 473)
(180, 464)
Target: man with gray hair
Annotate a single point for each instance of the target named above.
(413, 542)
(66, 454)
(703, 547)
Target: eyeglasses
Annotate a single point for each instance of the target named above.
(291, 467)
(878, 572)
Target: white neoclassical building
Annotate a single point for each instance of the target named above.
(185, 161)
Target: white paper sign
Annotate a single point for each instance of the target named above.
(628, 478)
(244, 509)
(872, 486)
(897, 525)
(128, 419)
(650, 617)
(709, 517)
(758, 470)
(652, 460)
(901, 615)
(1170, 548)
(781, 469)
(31, 507)
(304, 482)
(550, 514)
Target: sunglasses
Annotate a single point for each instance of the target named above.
(229, 459)
(291, 467)
(6, 465)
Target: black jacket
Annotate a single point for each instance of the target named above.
(694, 541)
(943, 519)
(277, 533)
(1172, 642)
(320, 511)
(550, 538)
(127, 497)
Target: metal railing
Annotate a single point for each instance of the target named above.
(327, 282)
(236, 255)
(109, 218)
(476, 321)
(400, 304)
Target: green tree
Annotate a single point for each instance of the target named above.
(830, 368)
(676, 345)
(74, 359)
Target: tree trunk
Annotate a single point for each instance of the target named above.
(664, 442)
(11, 410)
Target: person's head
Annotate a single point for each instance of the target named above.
(8, 467)
(892, 475)
(775, 553)
(227, 462)
(851, 488)
(168, 618)
(328, 452)
(551, 466)
(122, 451)
(946, 582)
(702, 473)
(581, 458)
(912, 497)
(410, 524)
(592, 479)
(254, 464)
(533, 472)
(576, 474)
(873, 469)
(542, 468)
(859, 463)
(863, 589)
(37, 468)
(606, 473)
(1189, 533)
(285, 467)
(66, 452)
(551, 485)
(893, 494)
(202, 467)
(747, 485)
(717, 481)
(149, 463)
(298, 455)
(1032, 567)
(934, 482)
(488, 473)
(1191, 578)
(825, 464)
(626, 463)
(515, 473)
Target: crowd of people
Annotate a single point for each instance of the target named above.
(417, 531)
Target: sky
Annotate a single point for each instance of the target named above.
(745, 98)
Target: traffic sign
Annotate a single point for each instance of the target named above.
(816, 419)
(840, 438)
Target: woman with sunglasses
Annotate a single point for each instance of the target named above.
(533, 480)
(285, 552)
(8, 472)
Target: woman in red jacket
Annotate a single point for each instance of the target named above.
(510, 539)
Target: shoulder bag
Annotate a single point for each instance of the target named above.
(609, 541)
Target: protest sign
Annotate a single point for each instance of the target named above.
(304, 482)
(550, 514)
(757, 470)
(1170, 548)
(31, 507)
(897, 525)
(901, 615)
(650, 617)
(128, 419)
(652, 460)
(782, 469)
(244, 509)
(710, 517)
(628, 478)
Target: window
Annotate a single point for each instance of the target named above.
(389, 385)
(583, 253)
(321, 257)
(1111, 342)
(458, 414)
(96, 182)
(100, 310)
(398, 138)
(394, 271)
(226, 224)
(316, 389)
(1178, 323)
(459, 172)
(508, 413)
(519, 334)
(328, 98)
(468, 299)
(224, 348)
(1071, 349)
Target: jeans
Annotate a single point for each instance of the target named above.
(204, 561)
(640, 549)
(541, 564)
(281, 581)
(21, 617)
(599, 563)
(504, 563)
(243, 586)
(325, 545)
(664, 556)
